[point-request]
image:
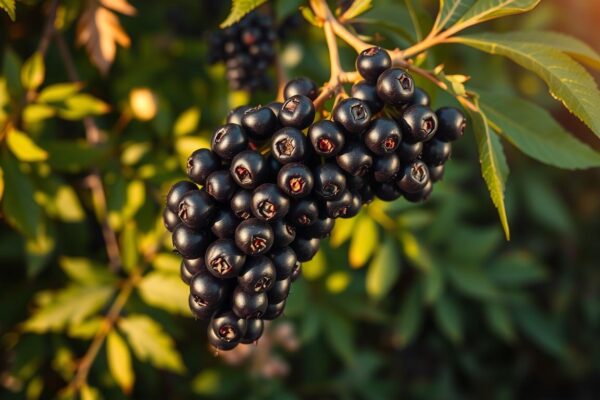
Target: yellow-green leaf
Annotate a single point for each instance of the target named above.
(33, 71)
(82, 105)
(150, 343)
(166, 291)
(24, 148)
(568, 81)
(1, 183)
(119, 361)
(187, 122)
(129, 248)
(9, 7)
(364, 241)
(239, 8)
(310, 17)
(85, 271)
(58, 92)
(342, 231)
(314, 268)
(451, 10)
(357, 8)
(167, 262)
(485, 10)
(493, 164)
(37, 112)
(384, 270)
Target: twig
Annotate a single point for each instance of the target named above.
(94, 180)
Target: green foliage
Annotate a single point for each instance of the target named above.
(239, 8)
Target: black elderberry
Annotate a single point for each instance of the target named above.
(201, 164)
(269, 203)
(452, 124)
(196, 209)
(436, 152)
(297, 112)
(326, 138)
(283, 260)
(395, 87)
(170, 219)
(413, 177)
(223, 259)
(177, 191)
(260, 122)
(355, 159)
(352, 114)
(383, 136)
(228, 327)
(258, 275)
(305, 248)
(254, 330)
(274, 310)
(229, 140)
(301, 86)
(339, 207)
(386, 168)
(190, 243)
(235, 115)
(330, 181)
(241, 204)
(372, 62)
(368, 93)
(419, 124)
(224, 223)
(289, 145)
(295, 180)
(249, 305)
(284, 233)
(254, 236)
(436, 172)
(280, 290)
(249, 169)
(303, 212)
(220, 186)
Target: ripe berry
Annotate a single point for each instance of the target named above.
(283, 260)
(421, 195)
(413, 177)
(366, 194)
(170, 219)
(280, 290)
(436, 152)
(420, 98)
(201, 164)
(199, 308)
(298, 112)
(219, 343)
(330, 181)
(326, 138)
(258, 275)
(419, 124)
(355, 183)
(284, 233)
(195, 265)
(176, 193)
(241, 204)
(235, 115)
(254, 236)
(352, 114)
(260, 122)
(355, 159)
(274, 310)
(305, 249)
(186, 276)
(207, 293)
(339, 207)
(269, 203)
(220, 186)
(223, 259)
(249, 169)
(385, 168)
(320, 229)
(224, 223)
(409, 151)
(275, 106)
(395, 87)
(295, 180)
(289, 145)
(368, 93)
(386, 191)
(452, 124)
(303, 212)
(303, 86)
(190, 243)
(196, 209)
(436, 172)
(228, 327)
(372, 62)
(254, 330)
(249, 305)
(229, 140)
(354, 207)
(383, 136)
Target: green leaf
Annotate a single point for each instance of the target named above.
(129, 248)
(451, 10)
(568, 81)
(19, 207)
(11, 70)
(541, 330)
(499, 320)
(187, 122)
(23, 147)
(310, 17)
(239, 8)
(85, 271)
(414, 251)
(339, 334)
(364, 241)
(493, 164)
(471, 281)
(534, 131)
(119, 361)
(342, 231)
(38, 250)
(82, 105)
(485, 10)
(151, 343)
(314, 268)
(384, 270)
(74, 155)
(69, 306)
(545, 204)
(410, 318)
(9, 7)
(516, 269)
(58, 92)
(357, 7)
(167, 262)
(448, 317)
(34, 113)
(33, 71)
(166, 291)
(86, 329)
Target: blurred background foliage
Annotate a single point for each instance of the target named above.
(414, 301)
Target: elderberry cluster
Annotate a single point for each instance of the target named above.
(274, 181)
(247, 49)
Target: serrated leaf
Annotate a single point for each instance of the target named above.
(384, 270)
(493, 164)
(364, 241)
(356, 8)
(119, 361)
(150, 343)
(18, 206)
(534, 131)
(33, 72)
(37, 112)
(485, 10)
(187, 122)
(9, 7)
(342, 231)
(166, 291)
(239, 8)
(450, 11)
(23, 147)
(67, 307)
(448, 317)
(499, 321)
(58, 92)
(567, 81)
(85, 271)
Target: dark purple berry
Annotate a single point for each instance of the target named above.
(330, 181)
(421, 195)
(269, 203)
(223, 259)
(383, 136)
(353, 115)
(289, 145)
(326, 138)
(207, 293)
(295, 180)
(395, 87)
(413, 177)
(197, 209)
(452, 124)
(372, 62)
(284, 233)
(249, 305)
(303, 212)
(228, 327)
(419, 124)
(229, 140)
(436, 152)
(259, 122)
(298, 112)
(386, 191)
(254, 330)
(280, 290)
(274, 310)
(170, 219)
(339, 207)
(368, 93)
(201, 164)
(224, 223)
(303, 86)
(219, 343)
(176, 192)
(235, 115)
(241, 204)
(283, 260)
(355, 159)
(305, 249)
(190, 243)
(436, 172)
(409, 151)
(249, 169)
(420, 98)
(220, 186)
(254, 236)
(258, 275)
(386, 168)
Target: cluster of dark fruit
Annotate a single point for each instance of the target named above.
(270, 192)
(247, 49)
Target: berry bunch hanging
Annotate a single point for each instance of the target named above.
(247, 49)
(260, 213)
